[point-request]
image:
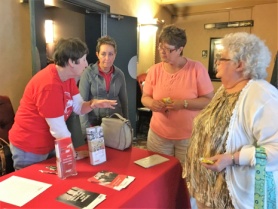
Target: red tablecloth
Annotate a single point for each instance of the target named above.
(160, 186)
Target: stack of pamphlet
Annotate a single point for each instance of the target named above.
(65, 159)
(96, 145)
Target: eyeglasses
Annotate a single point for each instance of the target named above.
(219, 59)
(165, 49)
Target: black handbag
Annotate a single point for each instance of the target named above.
(6, 161)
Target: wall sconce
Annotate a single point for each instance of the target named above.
(48, 3)
(49, 31)
(154, 22)
(148, 28)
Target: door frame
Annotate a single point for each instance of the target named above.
(37, 17)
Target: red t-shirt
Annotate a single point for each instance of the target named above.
(45, 96)
(107, 77)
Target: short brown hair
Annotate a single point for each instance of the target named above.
(71, 48)
(106, 40)
(173, 35)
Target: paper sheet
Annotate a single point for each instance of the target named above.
(18, 191)
(150, 161)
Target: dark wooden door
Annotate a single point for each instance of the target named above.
(124, 31)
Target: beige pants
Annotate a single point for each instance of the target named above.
(161, 145)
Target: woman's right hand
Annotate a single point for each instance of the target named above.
(103, 103)
(158, 106)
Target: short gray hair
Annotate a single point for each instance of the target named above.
(251, 50)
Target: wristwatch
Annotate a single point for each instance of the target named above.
(185, 104)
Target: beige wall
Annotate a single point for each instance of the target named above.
(265, 26)
(15, 42)
(63, 28)
(135, 8)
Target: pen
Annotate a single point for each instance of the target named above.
(51, 167)
(48, 172)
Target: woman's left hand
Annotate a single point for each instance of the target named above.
(220, 162)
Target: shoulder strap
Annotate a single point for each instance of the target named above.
(4, 141)
(118, 116)
(262, 177)
(2, 159)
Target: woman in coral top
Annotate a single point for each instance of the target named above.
(176, 89)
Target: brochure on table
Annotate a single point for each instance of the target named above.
(96, 145)
(112, 180)
(65, 159)
(81, 198)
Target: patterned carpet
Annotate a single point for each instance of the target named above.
(140, 143)
(141, 136)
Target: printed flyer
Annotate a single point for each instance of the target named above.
(112, 180)
(81, 198)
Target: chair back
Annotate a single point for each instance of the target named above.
(6, 117)
(144, 114)
(6, 122)
(141, 79)
(140, 82)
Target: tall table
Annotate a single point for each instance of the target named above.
(160, 186)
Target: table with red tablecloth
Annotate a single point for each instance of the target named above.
(160, 186)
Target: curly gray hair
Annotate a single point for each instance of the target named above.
(251, 50)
